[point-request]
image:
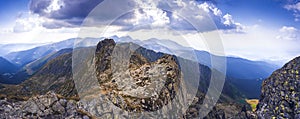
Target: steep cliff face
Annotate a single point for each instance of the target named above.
(281, 93)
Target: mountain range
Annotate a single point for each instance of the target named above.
(244, 74)
(8, 48)
(56, 76)
(238, 68)
(54, 73)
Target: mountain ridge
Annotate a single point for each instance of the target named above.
(253, 69)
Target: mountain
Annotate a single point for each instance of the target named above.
(246, 69)
(59, 66)
(8, 48)
(237, 68)
(22, 58)
(280, 93)
(248, 87)
(7, 70)
(244, 74)
(36, 65)
(56, 75)
(6, 66)
(28, 70)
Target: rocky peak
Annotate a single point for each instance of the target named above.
(281, 93)
(133, 82)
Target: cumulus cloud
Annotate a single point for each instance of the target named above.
(27, 22)
(295, 8)
(289, 33)
(229, 22)
(178, 14)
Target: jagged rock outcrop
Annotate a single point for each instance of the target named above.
(142, 85)
(281, 92)
(49, 105)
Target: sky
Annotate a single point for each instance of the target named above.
(266, 30)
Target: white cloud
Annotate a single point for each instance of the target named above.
(54, 6)
(288, 33)
(206, 15)
(156, 17)
(295, 8)
(210, 8)
(228, 19)
(27, 22)
(150, 13)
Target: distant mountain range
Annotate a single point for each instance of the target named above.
(8, 48)
(22, 58)
(236, 67)
(279, 98)
(30, 61)
(56, 76)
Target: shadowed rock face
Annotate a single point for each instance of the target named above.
(281, 93)
(131, 81)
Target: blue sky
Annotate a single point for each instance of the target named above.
(254, 29)
(250, 11)
(10, 10)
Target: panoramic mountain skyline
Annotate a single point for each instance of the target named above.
(248, 29)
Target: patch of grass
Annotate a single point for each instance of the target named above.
(253, 103)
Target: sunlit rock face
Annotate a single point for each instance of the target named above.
(133, 82)
(281, 93)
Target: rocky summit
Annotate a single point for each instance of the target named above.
(281, 92)
(138, 85)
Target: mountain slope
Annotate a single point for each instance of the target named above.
(281, 92)
(6, 66)
(27, 71)
(246, 69)
(56, 76)
(39, 63)
(7, 70)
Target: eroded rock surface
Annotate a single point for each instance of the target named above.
(50, 105)
(142, 85)
(281, 93)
